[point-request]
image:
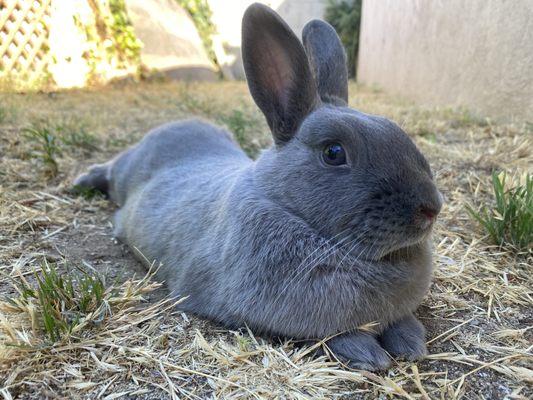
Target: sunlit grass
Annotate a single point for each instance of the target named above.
(243, 124)
(509, 221)
(46, 146)
(49, 137)
(61, 302)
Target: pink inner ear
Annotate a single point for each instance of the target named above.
(277, 72)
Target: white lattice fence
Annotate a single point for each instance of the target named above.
(24, 32)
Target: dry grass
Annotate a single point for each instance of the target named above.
(478, 314)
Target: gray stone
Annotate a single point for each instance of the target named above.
(171, 43)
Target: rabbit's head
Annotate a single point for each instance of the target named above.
(351, 176)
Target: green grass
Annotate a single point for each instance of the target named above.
(242, 121)
(49, 137)
(195, 104)
(242, 124)
(463, 118)
(510, 220)
(62, 301)
(46, 146)
(75, 133)
(86, 192)
(3, 114)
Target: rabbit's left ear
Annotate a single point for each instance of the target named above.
(277, 70)
(328, 60)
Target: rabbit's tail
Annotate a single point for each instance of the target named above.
(97, 178)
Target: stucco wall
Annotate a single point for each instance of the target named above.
(475, 53)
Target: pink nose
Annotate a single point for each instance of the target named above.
(428, 212)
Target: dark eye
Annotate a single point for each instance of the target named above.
(334, 154)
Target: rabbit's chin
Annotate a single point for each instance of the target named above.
(405, 249)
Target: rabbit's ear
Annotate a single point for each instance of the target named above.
(277, 70)
(328, 60)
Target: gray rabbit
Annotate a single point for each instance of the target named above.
(326, 231)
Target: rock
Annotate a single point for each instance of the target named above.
(171, 43)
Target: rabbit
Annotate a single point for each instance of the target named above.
(326, 231)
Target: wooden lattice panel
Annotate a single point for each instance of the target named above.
(24, 32)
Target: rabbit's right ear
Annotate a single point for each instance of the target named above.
(277, 70)
(328, 60)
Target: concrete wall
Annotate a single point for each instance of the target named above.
(476, 53)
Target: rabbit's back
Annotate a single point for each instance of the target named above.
(182, 144)
(184, 218)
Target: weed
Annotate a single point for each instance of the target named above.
(119, 143)
(49, 137)
(244, 343)
(428, 135)
(63, 301)
(75, 133)
(195, 104)
(127, 45)
(510, 221)
(463, 118)
(345, 17)
(238, 122)
(242, 125)
(424, 129)
(87, 193)
(47, 146)
(201, 15)
(8, 112)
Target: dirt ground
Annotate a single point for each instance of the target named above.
(478, 314)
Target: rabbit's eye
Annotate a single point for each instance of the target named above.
(334, 154)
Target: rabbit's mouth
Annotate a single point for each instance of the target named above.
(405, 248)
(391, 248)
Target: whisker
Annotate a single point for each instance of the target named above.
(302, 266)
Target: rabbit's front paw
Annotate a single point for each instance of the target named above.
(405, 338)
(360, 350)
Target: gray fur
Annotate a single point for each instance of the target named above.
(277, 71)
(286, 244)
(405, 338)
(328, 61)
(360, 350)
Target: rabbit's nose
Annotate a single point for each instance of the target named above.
(429, 212)
(429, 208)
(426, 214)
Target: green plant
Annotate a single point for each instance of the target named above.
(111, 39)
(201, 14)
(241, 124)
(63, 301)
(48, 138)
(122, 33)
(510, 220)
(86, 192)
(47, 146)
(345, 17)
(75, 133)
(463, 118)
(238, 122)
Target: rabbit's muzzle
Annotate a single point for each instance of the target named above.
(394, 217)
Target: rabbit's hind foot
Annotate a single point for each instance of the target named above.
(96, 178)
